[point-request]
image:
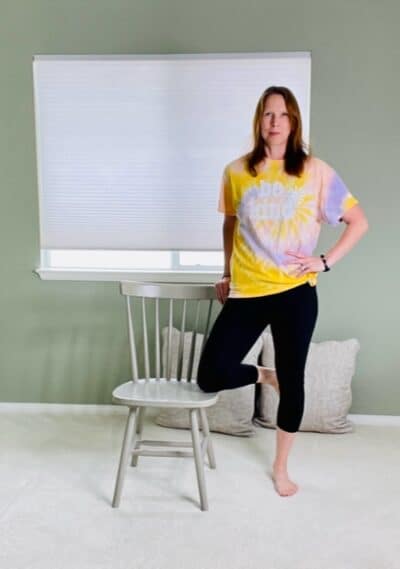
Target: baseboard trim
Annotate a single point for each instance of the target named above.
(61, 408)
(375, 419)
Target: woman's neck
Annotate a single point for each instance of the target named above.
(275, 152)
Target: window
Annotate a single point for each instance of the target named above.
(142, 260)
(130, 153)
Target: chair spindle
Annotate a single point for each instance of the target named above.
(193, 341)
(132, 344)
(169, 341)
(157, 338)
(206, 331)
(181, 343)
(145, 340)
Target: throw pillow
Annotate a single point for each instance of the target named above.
(329, 371)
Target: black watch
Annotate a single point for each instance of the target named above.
(325, 264)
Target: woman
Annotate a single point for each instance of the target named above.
(274, 200)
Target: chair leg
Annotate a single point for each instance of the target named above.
(126, 447)
(206, 432)
(198, 458)
(138, 436)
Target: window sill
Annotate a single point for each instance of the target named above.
(48, 274)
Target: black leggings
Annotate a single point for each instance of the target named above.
(292, 315)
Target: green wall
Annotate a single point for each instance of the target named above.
(65, 341)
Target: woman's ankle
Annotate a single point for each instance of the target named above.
(278, 466)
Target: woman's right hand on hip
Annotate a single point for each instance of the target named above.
(222, 289)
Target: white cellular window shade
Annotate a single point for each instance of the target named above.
(131, 149)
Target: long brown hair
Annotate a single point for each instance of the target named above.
(295, 155)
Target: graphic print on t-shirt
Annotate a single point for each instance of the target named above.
(268, 212)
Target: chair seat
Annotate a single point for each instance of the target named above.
(162, 393)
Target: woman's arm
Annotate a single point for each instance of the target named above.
(222, 286)
(228, 230)
(357, 225)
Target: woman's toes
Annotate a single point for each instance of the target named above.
(284, 486)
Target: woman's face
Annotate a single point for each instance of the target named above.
(275, 123)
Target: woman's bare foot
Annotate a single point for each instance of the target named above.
(266, 375)
(283, 485)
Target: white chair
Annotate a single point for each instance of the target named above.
(145, 303)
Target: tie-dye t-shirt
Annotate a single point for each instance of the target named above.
(277, 212)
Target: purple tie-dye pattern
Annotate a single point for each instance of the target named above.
(269, 202)
(259, 249)
(248, 216)
(281, 259)
(335, 196)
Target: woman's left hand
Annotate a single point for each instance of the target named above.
(306, 264)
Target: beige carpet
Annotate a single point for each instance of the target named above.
(58, 466)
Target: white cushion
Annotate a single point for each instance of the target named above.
(329, 371)
(233, 413)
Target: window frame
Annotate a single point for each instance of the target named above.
(177, 272)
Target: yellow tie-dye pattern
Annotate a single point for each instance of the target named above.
(349, 202)
(274, 174)
(243, 283)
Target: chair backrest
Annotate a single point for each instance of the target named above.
(182, 303)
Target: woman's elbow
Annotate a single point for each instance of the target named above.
(364, 225)
(357, 218)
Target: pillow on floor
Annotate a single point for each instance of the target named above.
(234, 410)
(327, 384)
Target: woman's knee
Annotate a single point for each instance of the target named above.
(291, 408)
(207, 378)
(213, 374)
(290, 423)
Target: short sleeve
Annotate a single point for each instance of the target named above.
(335, 198)
(225, 202)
